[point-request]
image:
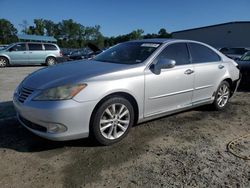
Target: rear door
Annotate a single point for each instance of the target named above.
(37, 54)
(209, 70)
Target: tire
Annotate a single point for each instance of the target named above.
(109, 126)
(50, 61)
(222, 96)
(4, 62)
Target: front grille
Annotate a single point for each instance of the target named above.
(32, 125)
(24, 93)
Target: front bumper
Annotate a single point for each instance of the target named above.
(36, 116)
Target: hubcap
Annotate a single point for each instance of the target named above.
(223, 95)
(114, 121)
(51, 61)
(3, 62)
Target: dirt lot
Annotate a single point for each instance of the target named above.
(183, 150)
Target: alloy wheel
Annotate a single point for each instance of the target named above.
(3, 62)
(51, 61)
(114, 121)
(223, 95)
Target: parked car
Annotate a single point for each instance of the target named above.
(234, 53)
(29, 53)
(85, 53)
(244, 64)
(3, 46)
(129, 83)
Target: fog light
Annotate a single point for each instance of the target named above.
(56, 128)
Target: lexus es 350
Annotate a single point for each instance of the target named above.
(129, 83)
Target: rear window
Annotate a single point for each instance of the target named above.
(202, 54)
(50, 47)
(35, 47)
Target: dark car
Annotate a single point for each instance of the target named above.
(85, 53)
(244, 65)
(234, 53)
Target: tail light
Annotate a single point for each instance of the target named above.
(60, 53)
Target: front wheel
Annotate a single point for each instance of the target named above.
(222, 96)
(112, 120)
(3, 62)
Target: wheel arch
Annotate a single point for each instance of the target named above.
(125, 95)
(4, 56)
(231, 84)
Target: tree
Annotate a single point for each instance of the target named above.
(7, 32)
(51, 29)
(25, 26)
(39, 26)
(163, 33)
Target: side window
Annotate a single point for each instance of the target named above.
(50, 47)
(19, 47)
(177, 52)
(35, 47)
(202, 54)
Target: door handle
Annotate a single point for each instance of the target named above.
(188, 71)
(221, 66)
(30, 52)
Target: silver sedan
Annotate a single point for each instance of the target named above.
(129, 83)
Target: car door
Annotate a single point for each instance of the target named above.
(37, 54)
(172, 88)
(209, 70)
(18, 54)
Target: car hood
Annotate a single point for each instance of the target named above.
(70, 73)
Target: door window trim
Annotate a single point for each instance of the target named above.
(190, 54)
(164, 47)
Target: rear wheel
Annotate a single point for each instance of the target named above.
(50, 61)
(3, 62)
(112, 120)
(222, 96)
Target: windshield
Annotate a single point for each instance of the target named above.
(128, 53)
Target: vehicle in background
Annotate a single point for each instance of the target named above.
(234, 53)
(244, 65)
(3, 46)
(29, 53)
(129, 83)
(85, 53)
(79, 54)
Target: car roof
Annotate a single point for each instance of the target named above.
(31, 42)
(161, 40)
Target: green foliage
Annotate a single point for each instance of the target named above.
(70, 34)
(7, 32)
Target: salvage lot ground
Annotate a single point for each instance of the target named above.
(187, 149)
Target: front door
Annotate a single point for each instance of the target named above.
(172, 88)
(18, 54)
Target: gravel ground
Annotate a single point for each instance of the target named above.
(188, 149)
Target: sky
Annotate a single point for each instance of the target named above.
(117, 17)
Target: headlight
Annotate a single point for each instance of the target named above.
(60, 93)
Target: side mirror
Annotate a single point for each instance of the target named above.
(164, 64)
